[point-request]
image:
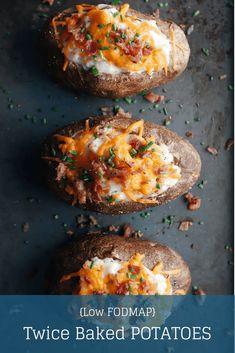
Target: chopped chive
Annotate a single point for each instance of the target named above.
(205, 51)
(94, 71)
(196, 13)
(115, 14)
(133, 152)
(201, 184)
(100, 25)
(165, 111)
(128, 100)
(92, 264)
(144, 148)
(109, 199)
(88, 36)
(73, 152)
(158, 186)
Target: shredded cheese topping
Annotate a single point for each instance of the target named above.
(104, 39)
(110, 164)
(109, 276)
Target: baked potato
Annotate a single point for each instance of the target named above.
(113, 264)
(119, 165)
(113, 51)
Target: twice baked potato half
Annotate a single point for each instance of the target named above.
(119, 165)
(113, 51)
(112, 264)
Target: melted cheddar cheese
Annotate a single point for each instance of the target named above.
(110, 276)
(105, 39)
(109, 164)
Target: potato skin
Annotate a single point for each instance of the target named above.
(124, 84)
(184, 155)
(70, 258)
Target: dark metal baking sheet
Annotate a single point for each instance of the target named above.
(200, 102)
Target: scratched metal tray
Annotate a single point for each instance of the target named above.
(32, 106)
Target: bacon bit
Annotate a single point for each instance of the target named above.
(50, 2)
(194, 202)
(82, 196)
(154, 98)
(69, 232)
(127, 230)
(229, 143)
(91, 47)
(198, 291)
(135, 143)
(189, 134)
(212, 150)
(113, 228)
(86, 221)
(93, 221)
(106, 111)
(137, 234)
(87, 279)
(25, 227)
(121, 112)
(222, 77)
(123, 289)
(77, 34)
(134, 269)
(185, 225)
(147, 51)
(60, 170)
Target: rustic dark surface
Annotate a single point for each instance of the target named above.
(29, 98)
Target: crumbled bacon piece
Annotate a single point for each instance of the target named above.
(121, 112)
(198, 291)
(194, 202)
(25, 227)
(93, 221)
(154, 98)
(127, 230)
(60, 170)
(189, 134)
(123, 288)
(229, 143)
(135, 143)
(147, 51)
(212, 150)
(137, 234)
(87, 279)
(185, 225)
(222, 77)
(106, 111)
(91, 47)
(113, 228)
(50, 2)
(69, 232)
